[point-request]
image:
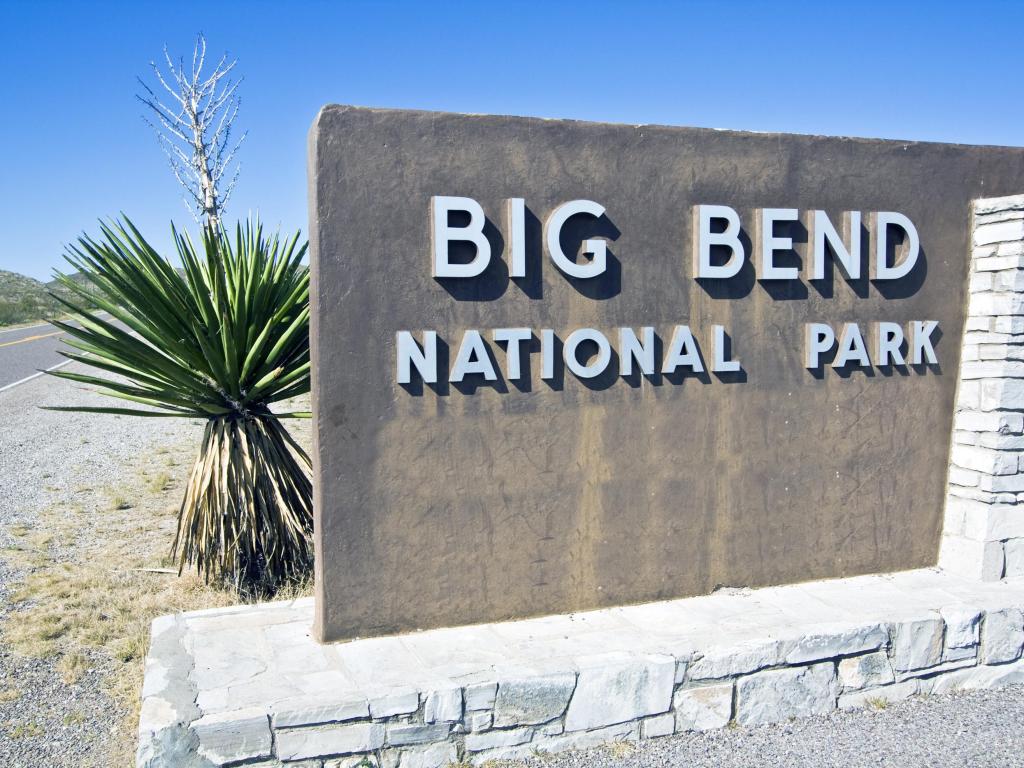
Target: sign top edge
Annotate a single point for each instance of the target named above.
(338, 110)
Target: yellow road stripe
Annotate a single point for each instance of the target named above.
(31, 338)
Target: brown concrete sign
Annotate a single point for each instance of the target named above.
(561, 365)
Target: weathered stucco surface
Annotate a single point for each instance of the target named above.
(447, 505)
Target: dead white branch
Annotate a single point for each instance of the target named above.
(194, 128)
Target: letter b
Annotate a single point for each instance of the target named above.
(444, 234)
(704, 239)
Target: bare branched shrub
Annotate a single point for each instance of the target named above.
(193, 121)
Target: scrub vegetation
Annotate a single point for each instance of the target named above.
(25, 300)
(223, 340)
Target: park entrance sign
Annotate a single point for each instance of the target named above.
(569, 381)
(560, 366)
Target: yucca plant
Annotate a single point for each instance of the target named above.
(221, 339)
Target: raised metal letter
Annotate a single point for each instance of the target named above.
(443, 234)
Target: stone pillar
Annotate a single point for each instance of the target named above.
(983, 534)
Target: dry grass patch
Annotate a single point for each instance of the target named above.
(77, 717)
(97, 603)
(8, 695)
(28, 730)
(82, 602)
(159, 482)
(72, 666)
(19, 531)
(94, 576)
(120, 502)
(620, 750)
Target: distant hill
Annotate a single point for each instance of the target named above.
(23, 299)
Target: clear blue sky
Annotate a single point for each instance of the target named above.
(75, 148)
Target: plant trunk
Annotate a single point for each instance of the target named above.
(207, 186)
(247, 515)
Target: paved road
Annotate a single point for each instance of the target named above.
(26, 351)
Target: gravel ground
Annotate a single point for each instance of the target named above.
(46, 458)
(976, 728)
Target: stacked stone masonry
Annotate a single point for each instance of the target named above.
(983, 533)
(249, 686)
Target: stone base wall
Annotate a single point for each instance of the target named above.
(659, 696)
(250, 686)
(983, 534)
